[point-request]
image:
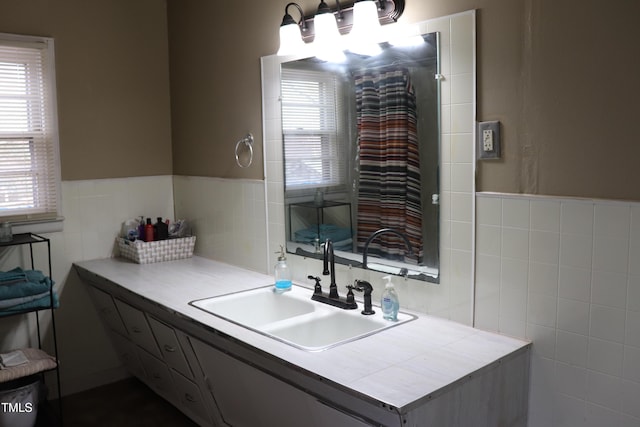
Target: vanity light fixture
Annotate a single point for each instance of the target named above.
(321, 28)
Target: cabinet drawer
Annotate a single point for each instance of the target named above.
(107, 310)
(325, 414)
(138, 328)
(190, 398)
(126, 351)
(170, 347)
(157, 375)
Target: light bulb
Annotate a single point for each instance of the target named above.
(291, 42)
(326, 44)
(366, 32)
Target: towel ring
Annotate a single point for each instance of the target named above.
(248, 142)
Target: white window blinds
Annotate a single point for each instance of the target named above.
(29, 168)
(310, 110)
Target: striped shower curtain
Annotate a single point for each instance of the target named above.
(389, 163)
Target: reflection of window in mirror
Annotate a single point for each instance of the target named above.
(314, 152)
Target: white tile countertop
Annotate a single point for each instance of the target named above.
(399, 366)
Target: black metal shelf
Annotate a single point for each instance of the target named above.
(31, 239)
(23, 239)
(319, 209)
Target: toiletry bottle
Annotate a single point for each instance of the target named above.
(141, 235)
(148, 231)
(389, 301)
(162, 230)
(282, 273)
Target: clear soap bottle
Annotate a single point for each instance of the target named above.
(282, 273)
(389, 302)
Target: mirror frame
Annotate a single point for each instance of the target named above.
(457, 162)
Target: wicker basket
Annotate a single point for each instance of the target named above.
(158, 251)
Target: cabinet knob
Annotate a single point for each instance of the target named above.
(169, 349)
(189, 398)
(136, 329)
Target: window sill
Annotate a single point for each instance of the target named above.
(37, 227)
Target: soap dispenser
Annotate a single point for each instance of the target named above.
(282, 273)
(389, 301)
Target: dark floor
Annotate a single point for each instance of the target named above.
(126, 403)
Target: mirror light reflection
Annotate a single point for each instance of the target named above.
(361, 158)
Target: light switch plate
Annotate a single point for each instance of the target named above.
(488, 140)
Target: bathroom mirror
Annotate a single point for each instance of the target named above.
(361, 151)
(456, 34)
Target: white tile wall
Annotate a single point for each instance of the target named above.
(228, 218)
(95, 209)
(563, 273)
(453, 297)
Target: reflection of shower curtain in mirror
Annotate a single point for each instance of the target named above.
(389, 163)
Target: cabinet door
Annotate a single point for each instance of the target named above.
(222, 378)
(189, 398)
(107, 310)
(138, 328)
(248, 397)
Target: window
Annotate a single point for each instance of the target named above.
(310, 110)
(29, 166)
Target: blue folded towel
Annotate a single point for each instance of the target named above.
(17, 275)
(40, 303)
(12, 302)
(327, 231)
(35, 282)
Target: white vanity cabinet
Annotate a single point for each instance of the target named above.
(220, 374)
(210, 386)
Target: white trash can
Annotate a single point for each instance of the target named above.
(19, 402)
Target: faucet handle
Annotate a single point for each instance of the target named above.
(317, 289)
(350, 297)
(363, 286)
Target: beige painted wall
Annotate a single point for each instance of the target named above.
(215, 52)
(558, 75)
(112, 82)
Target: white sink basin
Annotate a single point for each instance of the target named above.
(293, 318)
(321, 331)
(256, 307)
